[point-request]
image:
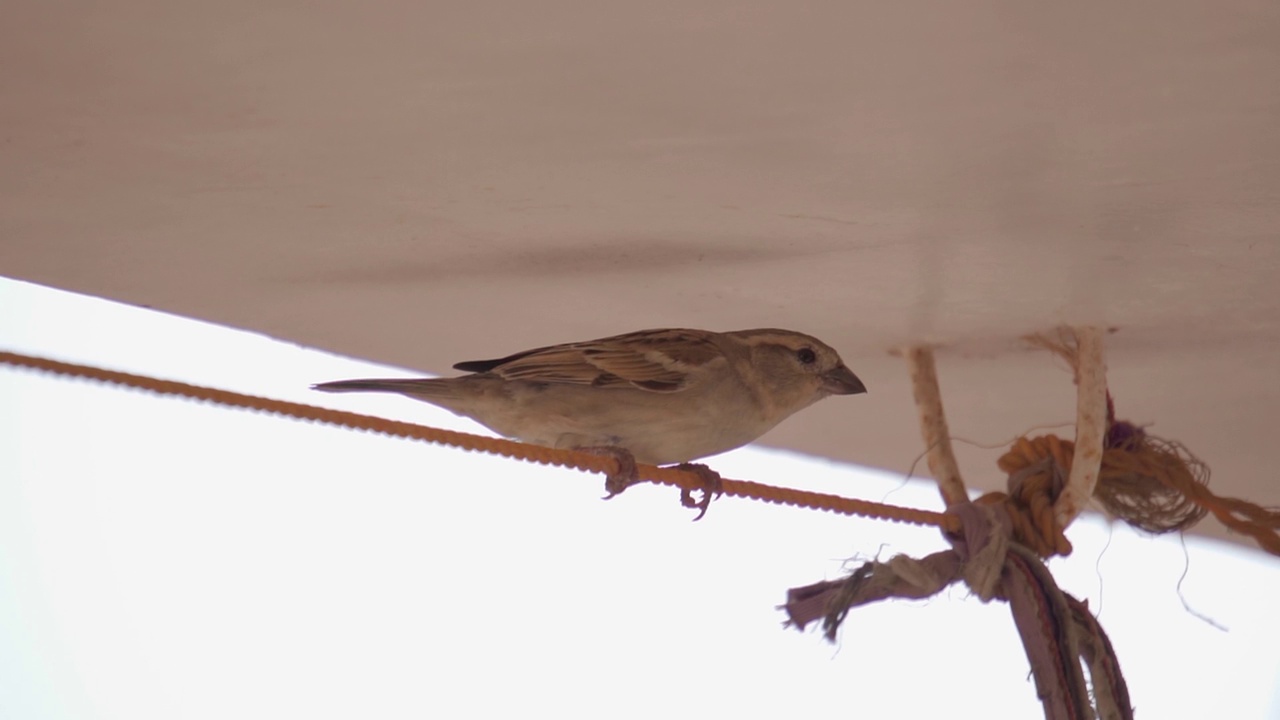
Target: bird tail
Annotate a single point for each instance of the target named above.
(423, 387)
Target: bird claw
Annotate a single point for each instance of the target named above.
(624, 475)
(711, 487)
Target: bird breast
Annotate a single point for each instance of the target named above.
(658, 428)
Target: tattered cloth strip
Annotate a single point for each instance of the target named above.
(1057, 630)
(1109, 689)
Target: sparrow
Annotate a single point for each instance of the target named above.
(660, 397)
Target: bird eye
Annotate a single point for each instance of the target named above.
(807, 356)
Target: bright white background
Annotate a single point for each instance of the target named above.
(165, 559)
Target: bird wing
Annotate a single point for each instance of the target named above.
(655, 360)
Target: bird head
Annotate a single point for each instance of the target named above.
(796, 370)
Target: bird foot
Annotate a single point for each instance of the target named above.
(711, 487)
(624, 474)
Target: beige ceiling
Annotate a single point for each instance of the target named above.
(425, 182)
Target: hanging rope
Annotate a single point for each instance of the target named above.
(997, 553)
(998, 550)
(1057, 631)
(586, 462)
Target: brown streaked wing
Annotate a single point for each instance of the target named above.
(655, 360)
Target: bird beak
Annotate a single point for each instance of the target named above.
(841, 381)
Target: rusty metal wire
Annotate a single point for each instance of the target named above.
(586, 462)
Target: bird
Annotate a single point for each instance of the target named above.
(662, 397)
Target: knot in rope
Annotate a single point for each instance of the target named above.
(1037, 470)
(1155, 485)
